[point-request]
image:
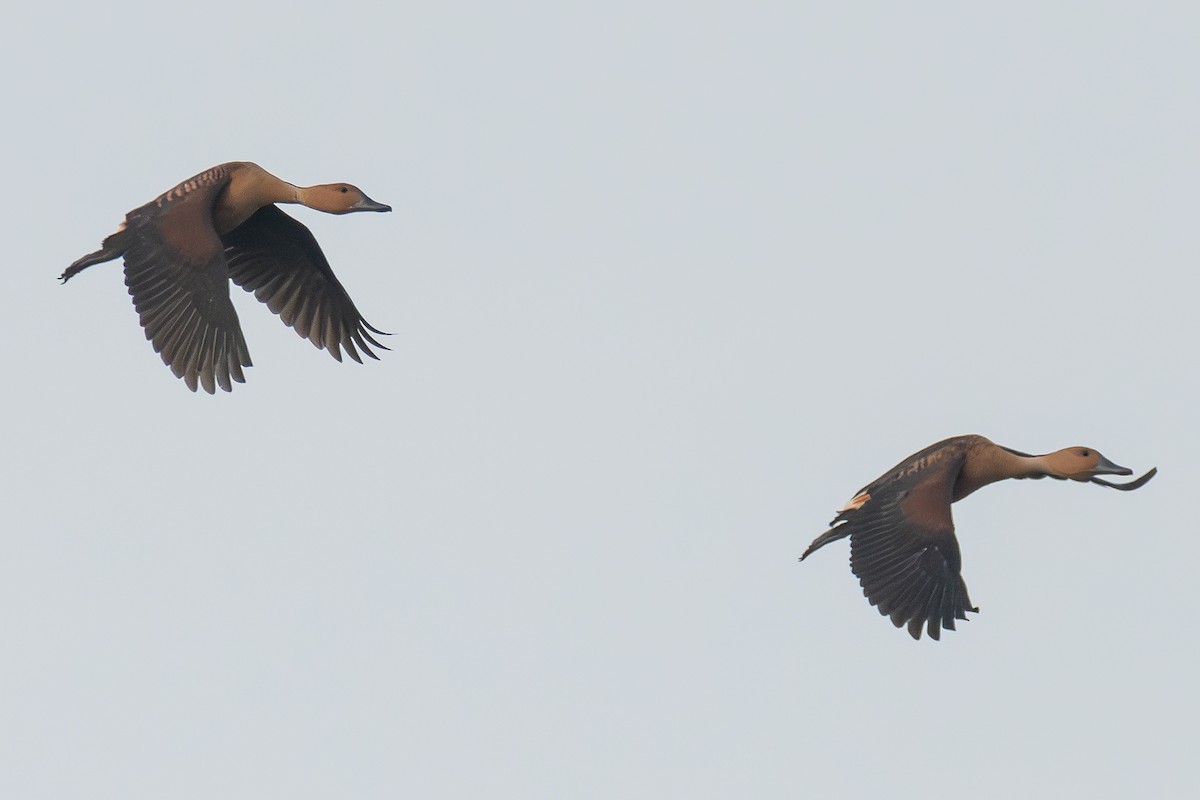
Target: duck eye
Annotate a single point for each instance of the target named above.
(344, 190)
(1086, 453)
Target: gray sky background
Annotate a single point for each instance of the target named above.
(668, 283)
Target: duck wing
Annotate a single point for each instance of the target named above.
(902, 543)
(176, 274)
(278, 259)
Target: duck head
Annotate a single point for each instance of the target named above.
(339, 198)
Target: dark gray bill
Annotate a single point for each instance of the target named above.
(1106, 467)
(367, 204)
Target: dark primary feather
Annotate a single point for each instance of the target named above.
(278, 259)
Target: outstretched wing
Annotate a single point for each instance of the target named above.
(277, 258)
(176, 273)
(902, 543)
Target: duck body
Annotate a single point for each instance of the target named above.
(183, 248)
(902, 542)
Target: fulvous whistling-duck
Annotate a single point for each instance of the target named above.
(902, 544)
(182, 249)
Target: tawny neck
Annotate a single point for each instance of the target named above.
(987, 463)
(276, 190)
(250, 188)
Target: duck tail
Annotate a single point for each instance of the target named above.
(831, 535)
(110, 248)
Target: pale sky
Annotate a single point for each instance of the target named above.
(669, 282)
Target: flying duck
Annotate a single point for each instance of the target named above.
(902, 544)
(182, 249)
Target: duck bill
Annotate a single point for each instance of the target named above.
(1128, 487)
(367, 204)
(1106, 467)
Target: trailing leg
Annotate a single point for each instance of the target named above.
(112, 247)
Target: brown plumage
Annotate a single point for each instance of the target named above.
(902, 543)
(182, 249)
